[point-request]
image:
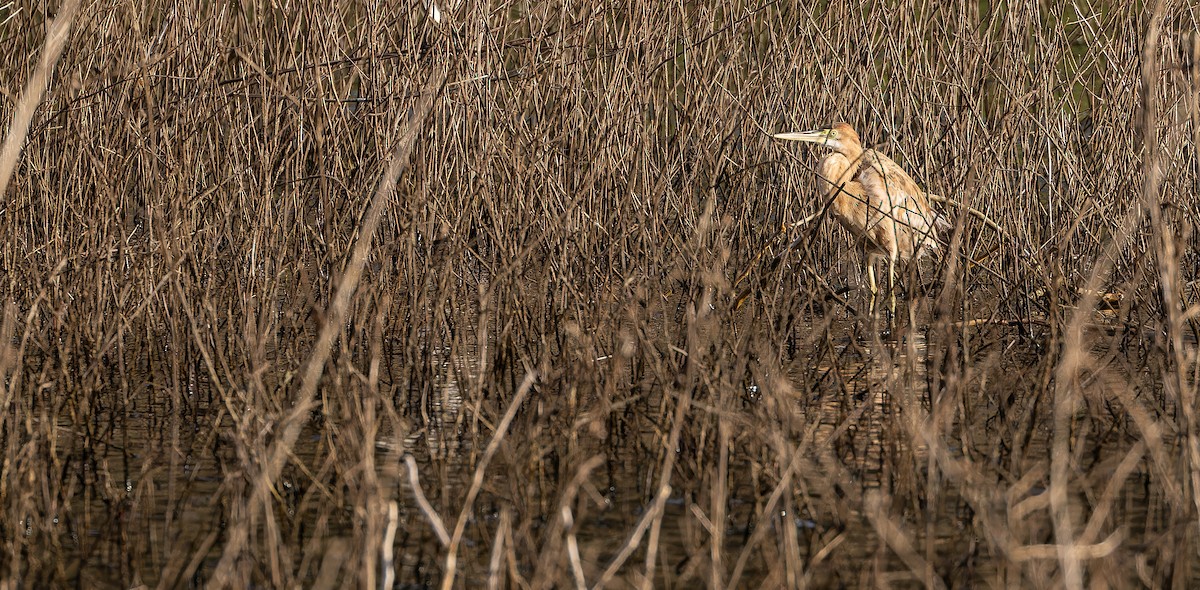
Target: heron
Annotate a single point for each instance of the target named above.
(875, 199)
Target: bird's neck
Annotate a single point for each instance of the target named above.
(853, 153)
(837, 169)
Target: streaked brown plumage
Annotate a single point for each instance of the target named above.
(875, 199)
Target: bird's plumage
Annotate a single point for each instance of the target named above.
(895, 198)
(873, 197)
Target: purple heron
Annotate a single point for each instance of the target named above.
(883, 207)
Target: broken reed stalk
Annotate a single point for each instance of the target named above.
(435, 519)
(272, 463)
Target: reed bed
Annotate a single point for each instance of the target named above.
(341, 293)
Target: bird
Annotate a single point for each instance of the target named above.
(870, 195)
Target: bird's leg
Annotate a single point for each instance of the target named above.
(891, 291)
(892, 282)
(871, 282)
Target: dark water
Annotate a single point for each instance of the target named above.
(154, 495)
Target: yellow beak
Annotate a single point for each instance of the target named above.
(818, 136)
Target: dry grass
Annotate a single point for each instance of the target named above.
(520, 362)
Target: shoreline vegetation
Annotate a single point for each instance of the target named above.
(524, 295)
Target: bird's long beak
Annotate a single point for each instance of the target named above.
(817, 136)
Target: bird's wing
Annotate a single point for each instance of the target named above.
(893, 193)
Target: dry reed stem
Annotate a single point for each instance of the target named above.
(893, 535)
(635, 539)
(460, 524)
(568, 518)
(653, 517)
(1169, 279)
(387, 563)
(1072, 362)
(495, 564)
(581, 204)
(290, 425)
(57, 35)
(435, 520)
(683, 405)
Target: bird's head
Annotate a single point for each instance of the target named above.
(840, 137)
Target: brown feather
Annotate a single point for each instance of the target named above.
(876, 200)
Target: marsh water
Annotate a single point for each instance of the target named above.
(852, 402)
